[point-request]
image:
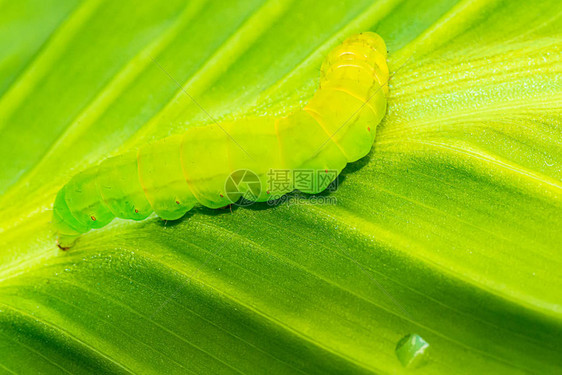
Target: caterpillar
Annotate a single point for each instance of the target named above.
(170, 176)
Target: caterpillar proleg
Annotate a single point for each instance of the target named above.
(170, 176)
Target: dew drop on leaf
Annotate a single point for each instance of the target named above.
(411, 351)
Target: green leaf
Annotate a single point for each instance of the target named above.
(450, 229)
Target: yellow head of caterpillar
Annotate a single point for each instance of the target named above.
(361, 58)
(373, 40)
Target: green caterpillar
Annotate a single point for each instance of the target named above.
(170, 176)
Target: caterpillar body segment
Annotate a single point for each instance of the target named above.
(256, 149)
(162, 179)
(119, 187)
(170, 176)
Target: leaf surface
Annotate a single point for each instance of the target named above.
(450, 228)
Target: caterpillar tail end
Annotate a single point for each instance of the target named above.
(66, 227)
(66, 235)
(65, 241)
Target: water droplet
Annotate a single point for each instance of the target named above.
(412, 350)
